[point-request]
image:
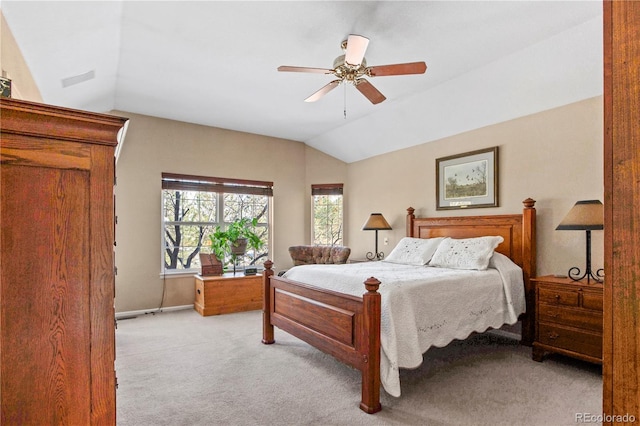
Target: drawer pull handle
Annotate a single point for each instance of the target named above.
(553, 315)
(557, 296)
(553, 335)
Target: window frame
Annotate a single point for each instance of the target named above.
(220, 187)
(327, 189)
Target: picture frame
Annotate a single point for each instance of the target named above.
(5, 87)
(467, 180)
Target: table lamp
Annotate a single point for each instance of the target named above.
(376, 222)
(584, 216)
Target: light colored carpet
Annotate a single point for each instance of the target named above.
(179, 368)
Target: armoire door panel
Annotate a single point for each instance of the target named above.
(45, 296)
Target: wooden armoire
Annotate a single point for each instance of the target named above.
(621, 342)
(57, 337)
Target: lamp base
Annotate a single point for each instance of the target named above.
(574, 274)
(375, 256)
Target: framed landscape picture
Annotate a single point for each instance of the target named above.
(468, 180)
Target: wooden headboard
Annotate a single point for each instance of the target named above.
(518, 231)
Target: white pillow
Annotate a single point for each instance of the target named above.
(414, 251)
(467, 253)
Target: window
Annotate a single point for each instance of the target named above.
(327, 214)
(194, 205)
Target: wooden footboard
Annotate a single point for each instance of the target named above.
(344, 326)
(348, 327)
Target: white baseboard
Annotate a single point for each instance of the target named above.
(133, 314)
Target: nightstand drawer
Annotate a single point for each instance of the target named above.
(592, 301)
(572, 340)
(568, 318)
(553, 296)
(578, 318)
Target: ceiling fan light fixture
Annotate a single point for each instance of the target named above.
(352, 66)
(356, 46)
(340, 65)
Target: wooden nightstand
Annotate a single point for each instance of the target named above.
(568, 318)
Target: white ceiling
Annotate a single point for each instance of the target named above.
(214, 63)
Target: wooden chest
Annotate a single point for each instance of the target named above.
(57, 336)
(227, 293)
(568, 318)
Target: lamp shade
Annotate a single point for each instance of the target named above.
(376, 222)
(584, 215)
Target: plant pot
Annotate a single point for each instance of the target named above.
(210, 264)
(238, 247)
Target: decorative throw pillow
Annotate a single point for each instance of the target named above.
(414, 251)
(467, 253)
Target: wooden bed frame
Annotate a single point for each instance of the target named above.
(348, 327)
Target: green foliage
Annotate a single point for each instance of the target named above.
(327, 219)
(223, 240)
(190, 218)
(219, 243)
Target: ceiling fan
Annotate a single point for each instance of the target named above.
(352, 68)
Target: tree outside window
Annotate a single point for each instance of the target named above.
(327, 214)
(189, 217)
(194, 205)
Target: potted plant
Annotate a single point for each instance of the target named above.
(212, 262)
(235, 240)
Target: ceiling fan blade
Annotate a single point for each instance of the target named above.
(397, 69)
(356, 46)
(369, 91)
(320, 93)
(287, 68)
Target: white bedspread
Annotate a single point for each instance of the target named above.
(424, 306)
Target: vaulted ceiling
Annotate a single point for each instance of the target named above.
(214, 63)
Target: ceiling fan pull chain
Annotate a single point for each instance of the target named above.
(345, 101)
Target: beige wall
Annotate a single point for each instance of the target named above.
(155, 145)
(14, 67)
(554, 157)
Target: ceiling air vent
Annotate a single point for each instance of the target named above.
(70, 81)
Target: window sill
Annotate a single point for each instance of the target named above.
(178, 274)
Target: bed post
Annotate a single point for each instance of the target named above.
(529, 268)
(371, 367)
(267, 327)
(410, 218)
